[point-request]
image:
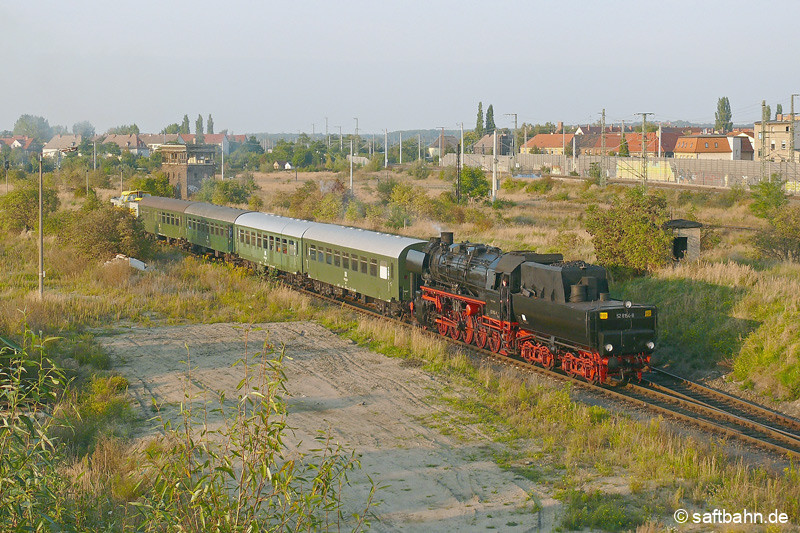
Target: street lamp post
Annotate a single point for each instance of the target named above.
(41, 234)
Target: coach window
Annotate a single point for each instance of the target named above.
(271, 242)
(384, 271)
(292, 248)
(337, 258)
(258, 240)
(312, 252)
(328, 256)
(345, 261)
(373, 267)
(363, 265)
(354, 263)
(283, 246)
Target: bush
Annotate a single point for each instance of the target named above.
(782, 240)
(20, 207)
(768, 197)
(629, 236)
(540, 186)
(157, 185)
(236, 191)
(103, 231)
(419, 170)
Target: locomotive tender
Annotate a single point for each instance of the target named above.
(535, 306)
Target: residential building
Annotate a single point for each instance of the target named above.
(778, 135)
(128, 143)
(714, 147)
(154, 141)
(547, 143)
(187, 166)
(450, 143)
(485, 144)
(28, 145)
(61, 143)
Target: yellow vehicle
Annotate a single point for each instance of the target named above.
(130, 199)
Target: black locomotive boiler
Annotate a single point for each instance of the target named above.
(535, 306)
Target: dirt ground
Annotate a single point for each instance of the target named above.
(372, 404)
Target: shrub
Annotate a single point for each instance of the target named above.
(474, 185)
(768, 197)
(20, 207)
(419, 170)
(782, 240)
(103, 231)
(629, 236)
(157, 185)
(236, 191)
(540, 186)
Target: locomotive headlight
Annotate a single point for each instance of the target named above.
(628, 304)
(609, 347)
(650, 345)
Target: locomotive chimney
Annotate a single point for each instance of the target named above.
(447, 238)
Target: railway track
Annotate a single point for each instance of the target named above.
(664, 393)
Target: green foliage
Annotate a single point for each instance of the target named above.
(83, 128)
(624, 151)
(778, 110)
(766, 113)
(157, 185)
(479, 122)
(171, 128)
(314, 202)
(768, 197)
(198, 129)
(723, 116)
(595, 172)
(20, 207)
(540, 186)
(236, 191)
(102, 231)
(184, 128)
(419, 170)
(782, 240)
(33, 126)
(596, 510)
(210, 124)
(629, 236)
(125, 129)
(474, 185)
(385, 187)
(490, 126)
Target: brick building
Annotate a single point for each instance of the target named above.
(187, 166)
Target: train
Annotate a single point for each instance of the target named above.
(532, 306)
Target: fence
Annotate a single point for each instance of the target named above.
(709, 173)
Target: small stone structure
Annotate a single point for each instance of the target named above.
(686, 238)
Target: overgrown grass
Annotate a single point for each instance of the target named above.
(665, 470)
(745, 318)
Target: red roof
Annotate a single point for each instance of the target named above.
(549, 140)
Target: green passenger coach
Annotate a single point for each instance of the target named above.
(367, 262)
(164, 217)
(211, 226)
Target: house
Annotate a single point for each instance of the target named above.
(485, 145)
(714, 147)
(20, 142)
(592, 144)
(547, 143)
(128, 143)
(220, 140)
(154, 141)
(777, 134)
(450, 143)
(282, 165)
(61, 143)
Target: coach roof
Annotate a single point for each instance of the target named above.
(290, 227)
(361, 239)
(216, 212)
(167, 204)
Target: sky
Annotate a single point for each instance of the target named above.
(279, 66)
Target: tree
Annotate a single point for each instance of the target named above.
(490, 127)
(210, 124)
(33, 126)
(723, 115)
(83, 128)
(185, 124)
(479, 123)
(766, 116)
(474, 184)
(157, 185)
(778, 110)
(172, 128)
(125, 129)
(630, 236)
(782, 240)
(768, 197)
(198, 129)
(20, 207)
(623, 147)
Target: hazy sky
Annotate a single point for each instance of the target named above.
(283, 66)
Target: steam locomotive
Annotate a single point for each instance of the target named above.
(535, 306)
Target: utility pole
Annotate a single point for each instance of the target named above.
(461, 151)
(351, 165)
(644, 147)
(385, 148)
(356, 119)
(494, 166)
(458, 176)
(763, 140)
(791, 129)
(441, 146)
(41, 234)
(419, 146)
(603, 148)
(341, 146)
(513, 139)
(401, 147)
(659, 140)
(222, 166)
(94, 154)
(327, 137)
(7, 163)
